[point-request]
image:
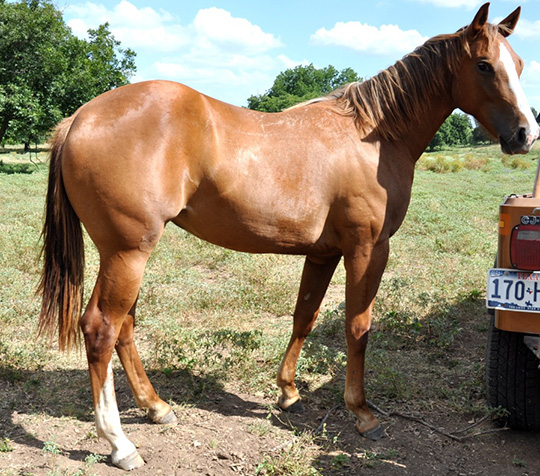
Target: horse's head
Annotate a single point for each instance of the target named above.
(487, 85)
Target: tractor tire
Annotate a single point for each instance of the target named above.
(513, 379)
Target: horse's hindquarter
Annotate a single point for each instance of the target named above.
(133, 157)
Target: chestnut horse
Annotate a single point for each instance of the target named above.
(327, 179)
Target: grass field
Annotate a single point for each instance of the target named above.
(224, 315)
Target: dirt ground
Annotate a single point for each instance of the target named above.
(224, 432)
(232, 434)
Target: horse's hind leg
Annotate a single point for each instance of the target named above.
(115, 293)
(315, 279)
(145, 395)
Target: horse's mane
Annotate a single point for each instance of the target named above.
(389, 100)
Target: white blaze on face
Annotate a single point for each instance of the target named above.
(515, 87)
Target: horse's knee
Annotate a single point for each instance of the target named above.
(358, 329)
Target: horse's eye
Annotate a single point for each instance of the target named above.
(485, 67)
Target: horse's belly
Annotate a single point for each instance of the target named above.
(255, 230)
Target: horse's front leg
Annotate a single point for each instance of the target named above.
(364, 271)
(315, 279)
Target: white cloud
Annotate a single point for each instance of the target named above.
(147, 28)
(289, 63)
(215, 52)
(387, 39)
(527, 29)
(143, 28)
(531, 74)
(531, 83)
(221, 28)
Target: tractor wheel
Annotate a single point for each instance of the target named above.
(513, 379)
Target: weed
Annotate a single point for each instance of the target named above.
(439, 164)
(5, 446)
(94, 459)
(340, 461)
(475, 162)
(294, 460)
(520, 163)
(259, 428)
(50, 447)
(370, 459)
(191, 349)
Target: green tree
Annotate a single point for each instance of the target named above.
(93, 67)
(46, 72)
(301, 83)
(456, 130)
(480, 135)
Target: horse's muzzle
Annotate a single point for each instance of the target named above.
(519, 142)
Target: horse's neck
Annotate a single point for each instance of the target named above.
(422, 130)
(430, 102)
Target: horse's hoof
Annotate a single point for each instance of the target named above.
(133, 461)
(375, 434)
(168, 419)
(296, 407)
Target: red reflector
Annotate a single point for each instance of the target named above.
(525, 247)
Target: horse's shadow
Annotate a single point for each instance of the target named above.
(45, 393)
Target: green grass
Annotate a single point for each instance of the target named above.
(224, 317)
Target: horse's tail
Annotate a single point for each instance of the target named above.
(61, 284)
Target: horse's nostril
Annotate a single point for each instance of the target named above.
(522, 135)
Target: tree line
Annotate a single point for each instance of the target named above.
(47, 73)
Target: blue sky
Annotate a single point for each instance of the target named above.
(231, 49)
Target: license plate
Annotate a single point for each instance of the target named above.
(513, 290)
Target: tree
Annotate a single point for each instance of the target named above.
(456, 130)
(480, 135)
(301, 83)
(94, 67)
(46, 72)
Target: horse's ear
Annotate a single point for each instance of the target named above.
(478, 23)
(506, 27)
